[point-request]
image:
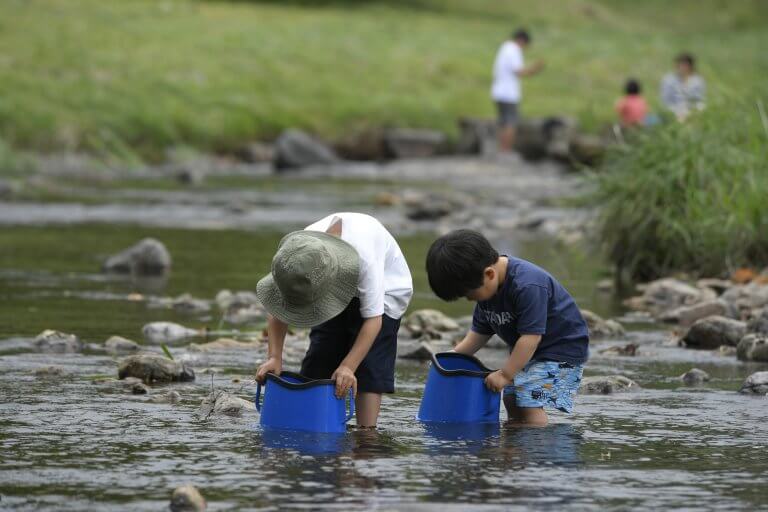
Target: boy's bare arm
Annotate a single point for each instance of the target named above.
(276, 331)
(521, 354)
(471, 343)
(345, 373)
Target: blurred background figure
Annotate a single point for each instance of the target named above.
(632, 108)
(506, 91)
(682, 91)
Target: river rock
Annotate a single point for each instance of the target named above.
(422, 206)
(422, 351)
(759, 321)
(531, 138)
(726, 350)
(221, 402)
(601, 328)
(687, 315)
(630, 350)
(365, 145)
(425, 320)
(147, 257)
(587, 149)
(50, 372)
(560, 131)
(139, 388)
(606, 384)
(412, 143)
(226, 298)
(6, 189)
(256, 152)
(151, 368)
(57, 342)
(116, 344)
(187, 499)
(713, 331)
(238, 314)
(167, 332)
(171, 397)
(668, 293)
(747, 297)
(185, 303)
(718, 285)
(753, 347)
(223, 344)
(295, 149)
(476, 136)
(694, 377)
(757, 384)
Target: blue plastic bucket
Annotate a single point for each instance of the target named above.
(295, 402)
(455, 391)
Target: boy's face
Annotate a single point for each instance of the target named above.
(489, 287)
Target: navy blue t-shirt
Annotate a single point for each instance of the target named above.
(531, 301)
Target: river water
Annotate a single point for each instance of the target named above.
(69, 444)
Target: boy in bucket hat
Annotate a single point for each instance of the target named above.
(346, 278)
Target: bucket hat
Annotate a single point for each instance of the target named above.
(314, 277)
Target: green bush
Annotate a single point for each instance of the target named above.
(689, 196)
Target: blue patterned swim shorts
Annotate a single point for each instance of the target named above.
(546, 384)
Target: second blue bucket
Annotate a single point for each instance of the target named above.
(295, 402)
(455, 391)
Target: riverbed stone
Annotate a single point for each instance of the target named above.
(152, 368)
(171, 397)
(758, 322)
(427, 320)
(668, 293)
(606, 385)
(587, 149)
(147, 257)
(256, 152)
(713, 331)
(601, 328)
(413, 143)
(118, 344)
(187, 499)
(295, 149)
(139, 388)
(224, 344)
(363, 145)
(226, 298)
(687, 315)
(186, 303)
(718, 285)
(240, 314)
(476, 136)
(50, 372)
(753, 347)
(747, 297)
(694, 376)
(629, 350)
(421, 350)
(423, 206)
(222, 402)
(757, 384)
(167, 332)
(57, 342)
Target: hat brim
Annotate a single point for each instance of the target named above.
(340, 293)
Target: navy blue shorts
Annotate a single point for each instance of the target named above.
(330, 342)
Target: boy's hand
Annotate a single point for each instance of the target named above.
(345, 380)
(271, 365)
(496, 381)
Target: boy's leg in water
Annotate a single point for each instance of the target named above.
(530, 416)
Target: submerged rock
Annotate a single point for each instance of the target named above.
(139, 388)
(753, 347)
(713, 331)
(148, 257)
(171, 397)
(185, 303)
(222, 344)
(256, 152)
(606, 384)
(221, 402)
(239, 314)
(759, 322)
(668, 293)
(167, 332)
(295, 149)
(476, 136)
(411, 143)
(694, 376)
(747, 297)
(687, 315)
(187, 499)
(757, 384)
(50, 372)
(430, 320)
(57, 342)
(601, 328)
(226, 298)
(629, 349)
(117, 344)
(151, 368)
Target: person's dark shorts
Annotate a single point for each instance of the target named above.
(330, 342)
(507, 113)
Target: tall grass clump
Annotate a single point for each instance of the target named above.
(689, 196)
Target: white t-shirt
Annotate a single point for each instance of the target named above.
(506, 83)
(385, 285)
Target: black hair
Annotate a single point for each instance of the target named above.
(632, 86)
(521, 34)
(457, 261)
(687, 58)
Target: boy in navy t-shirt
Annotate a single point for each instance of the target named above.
(527, 308)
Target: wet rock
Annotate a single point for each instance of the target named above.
(726, 350)
(422, 351)
(50, 372)
(531, 139)
(139, 388)
(694, 377)
(560, 131)
(117, 344)
(364, 145)
(687, 315)
(226, 298)
(757, 384)
(629, 350)
(223, 344)
(713, 331)
(606, 384)
(188, 174)
(423, 206)
(759, 321)
(587, 149)
(747, 297)
(295, 149)
(185, 303)
(753, 347)
(171, 397)
(221, 402)
(147, 257)
(668, 293)
(167, 332)
(151, 368)
(605, 285)
(601, 328)
(476, 136)
(411, 143)
(187, 499)
(256, 152)
(386, 199)
(718, 285)
(6, 189)
(57, 342)
(239, 314)
(426, 320)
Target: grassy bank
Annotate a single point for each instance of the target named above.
(690, 197)
(118, 76)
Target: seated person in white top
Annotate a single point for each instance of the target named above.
(346, 278)
(683, 91)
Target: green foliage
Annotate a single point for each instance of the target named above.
(166, 351)
(690, 196)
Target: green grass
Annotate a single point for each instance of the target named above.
(690, 197)
(125, 76)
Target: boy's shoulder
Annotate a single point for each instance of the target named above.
(523, 273)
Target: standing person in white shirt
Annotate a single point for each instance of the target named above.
(508, 68)
(683, 91)
(346, 278)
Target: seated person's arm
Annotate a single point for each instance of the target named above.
(345, 373)
(521, 354)
(531, 69)
(276, 331)
(471, 343)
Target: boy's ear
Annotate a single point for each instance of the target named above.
(335, 227)
(489, 272)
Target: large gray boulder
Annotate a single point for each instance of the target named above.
(665, 294)
(57, 342)
(147, 257)
(759, 321)
(687, 315)
(601, 328)
(753, 347)
(152, 368)
(424, 321)
(295, 149)
(757, 384)
(118, 344)
(476, 136)
(412, 143)
(606, 385)
(713, 331)
(221, 402)
(747, 297)
(694, 377)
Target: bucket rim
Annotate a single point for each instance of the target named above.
(306, 382)
(471, 373)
